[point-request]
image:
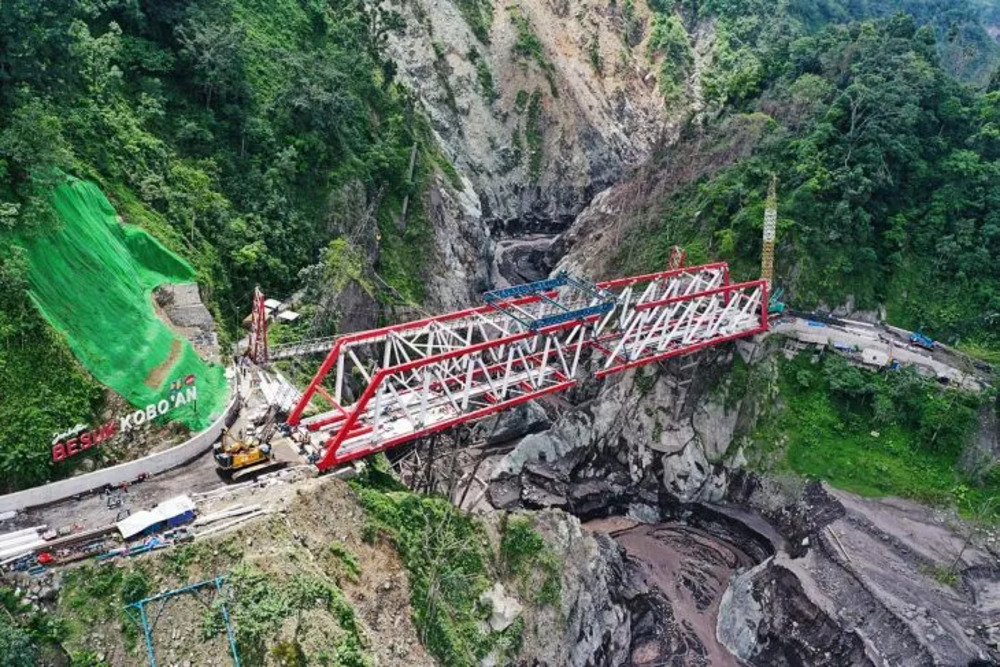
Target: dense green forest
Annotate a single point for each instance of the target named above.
(246, 135)
(876, 434)
(887, 165)
(249, 135)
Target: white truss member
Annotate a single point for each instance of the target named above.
(527, 341)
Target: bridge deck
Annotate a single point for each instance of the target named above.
(419, 377)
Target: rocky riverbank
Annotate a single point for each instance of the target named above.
(690, 568)
(716, 565)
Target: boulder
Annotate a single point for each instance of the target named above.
(714, 426)
(506, 609)
(517, 423)
(685, 473)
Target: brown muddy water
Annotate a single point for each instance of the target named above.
(691, 569)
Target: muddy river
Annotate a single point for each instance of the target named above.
(691, 569)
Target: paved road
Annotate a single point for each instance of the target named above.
(941, 363)
(92, 511)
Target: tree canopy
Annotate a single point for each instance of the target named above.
(887, 167)
(226, 128)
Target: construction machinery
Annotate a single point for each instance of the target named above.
(770, 232)
(240, 459)
(775, 305)
(926, 342)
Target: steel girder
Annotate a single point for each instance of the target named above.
(420, 377)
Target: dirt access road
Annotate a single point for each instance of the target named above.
(92, 511)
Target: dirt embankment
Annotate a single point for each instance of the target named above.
(291, 570)
(158, 375)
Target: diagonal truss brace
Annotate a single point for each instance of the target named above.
(420, 377)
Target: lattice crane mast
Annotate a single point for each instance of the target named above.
(770, 232)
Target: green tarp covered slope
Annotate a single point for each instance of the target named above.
(93, 281)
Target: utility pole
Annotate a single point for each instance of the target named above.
(770, 229)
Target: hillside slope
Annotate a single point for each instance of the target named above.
(335, 574)
(118, 338)
(885, 165)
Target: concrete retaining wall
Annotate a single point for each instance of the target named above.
(123, 472)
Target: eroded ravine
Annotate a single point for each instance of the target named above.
(691, 568)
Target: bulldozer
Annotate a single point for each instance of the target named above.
(239, 460)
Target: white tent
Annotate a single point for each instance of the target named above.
(133, 525)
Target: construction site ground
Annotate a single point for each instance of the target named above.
(92, 511)
(199, 476)
(303, 531)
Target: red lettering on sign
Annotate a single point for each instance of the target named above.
(105, 432)
(64, 449)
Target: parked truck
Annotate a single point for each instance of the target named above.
(918, 338)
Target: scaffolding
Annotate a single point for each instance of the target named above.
(137, 611)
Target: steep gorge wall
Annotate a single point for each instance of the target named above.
(552, 103)
(670, 431)
(832, 578)
(593, 123)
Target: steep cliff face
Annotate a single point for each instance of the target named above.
(547, 105)
(459, 269)
(592, 246)
(592, 624)
(539, 105)
(666, 431)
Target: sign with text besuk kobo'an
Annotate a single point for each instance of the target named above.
(81, 437)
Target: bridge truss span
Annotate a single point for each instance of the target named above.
(395, 384)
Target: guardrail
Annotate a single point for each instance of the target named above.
(123, 472)
(312, 346)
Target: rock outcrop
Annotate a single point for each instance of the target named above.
(832, 579)
(504, 609)
(524, 110)
(592, 246)
(765, 618)
(536, 106)
(592, 625)
(665, 431)
(458, 271)
(181, 307)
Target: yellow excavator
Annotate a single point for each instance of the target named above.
(238, 460)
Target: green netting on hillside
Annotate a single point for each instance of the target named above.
(93, 281)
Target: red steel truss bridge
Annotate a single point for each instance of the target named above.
(399, 383)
